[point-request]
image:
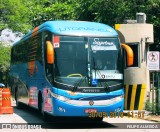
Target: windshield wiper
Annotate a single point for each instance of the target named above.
(78, 83)
(94, 67)
(106, 84)
(96, 70)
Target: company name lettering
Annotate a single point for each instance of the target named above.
(91, 90)
(83, 28)
(98, 42)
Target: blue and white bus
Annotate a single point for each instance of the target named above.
(69, 69)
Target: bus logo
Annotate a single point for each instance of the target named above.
(103, 76)
(91, 102)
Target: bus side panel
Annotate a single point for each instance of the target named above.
(36, 83)
(27, 86)
(18, 82)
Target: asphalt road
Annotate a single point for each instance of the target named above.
(29, 119)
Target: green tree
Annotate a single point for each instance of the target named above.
(4, 57)
(22, 16)
(116, 11)
(4, 62)
(106, 11)
(45, 10)
(14, 15)
(153, 16)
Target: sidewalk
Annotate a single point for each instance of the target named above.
(147, 116)
(155, 118)
(150, 117)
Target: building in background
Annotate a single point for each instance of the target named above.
(138, 35)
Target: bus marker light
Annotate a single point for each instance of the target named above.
(56, 42)
(72, 93)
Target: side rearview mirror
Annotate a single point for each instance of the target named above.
(50, 52)
(130, 54)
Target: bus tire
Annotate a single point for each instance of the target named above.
(40, 107)
(97, 120)
(18, 104)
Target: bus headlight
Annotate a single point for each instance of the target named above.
(62, 98)
(118, 98)
(59, 97)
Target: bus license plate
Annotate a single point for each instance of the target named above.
(90, 110)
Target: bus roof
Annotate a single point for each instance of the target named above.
(75, 28)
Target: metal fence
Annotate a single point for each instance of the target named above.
(153, 103)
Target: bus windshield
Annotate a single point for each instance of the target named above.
(71, 60)
(78, 59)
(105, 58)
(104, 53)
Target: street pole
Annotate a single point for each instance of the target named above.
(153, 94)
(158, 96)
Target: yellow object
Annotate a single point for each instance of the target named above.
(130, 54)
(134, 96)
(50, 52)
(71, 75)
(117, 26)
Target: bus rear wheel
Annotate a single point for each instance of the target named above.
(41, 109)
(18, 104)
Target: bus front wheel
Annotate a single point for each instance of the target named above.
(98, 119)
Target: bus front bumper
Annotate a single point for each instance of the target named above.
(82, 108)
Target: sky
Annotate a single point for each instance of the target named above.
(8, 37)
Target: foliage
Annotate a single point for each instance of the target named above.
(153, 16)
(148, 106)
(23, 15)
(4, 62)
(4, 57)
(50, 10)
(106, 11)
(14, 15)
(112, 12)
